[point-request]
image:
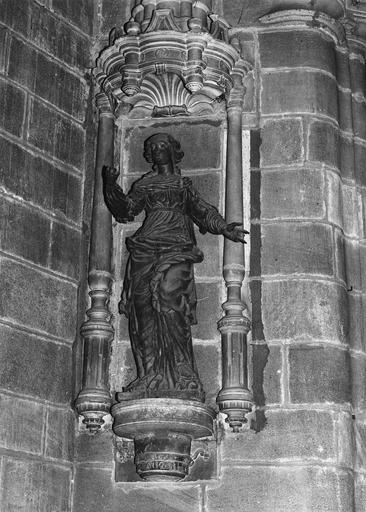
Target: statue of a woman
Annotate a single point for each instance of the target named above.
(159, 294)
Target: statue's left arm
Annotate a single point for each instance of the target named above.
(209, 219)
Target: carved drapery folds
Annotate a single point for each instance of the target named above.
(173, 58)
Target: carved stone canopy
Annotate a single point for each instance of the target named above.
(167, 67)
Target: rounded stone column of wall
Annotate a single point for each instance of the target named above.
(354, 203)
(301, 458)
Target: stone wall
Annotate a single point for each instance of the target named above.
(301, 457)
(305, 110)
(44, 136)
(304, 446)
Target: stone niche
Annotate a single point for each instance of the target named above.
(171, 73)
(203, 146)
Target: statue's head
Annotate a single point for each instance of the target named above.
(162, 149)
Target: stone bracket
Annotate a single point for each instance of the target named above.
(162, 430)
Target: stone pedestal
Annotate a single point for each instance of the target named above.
(162, 430)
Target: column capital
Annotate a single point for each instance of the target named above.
(103, 103)
(235, 99)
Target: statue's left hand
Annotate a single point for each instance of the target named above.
(235, 232)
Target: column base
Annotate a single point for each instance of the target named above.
(236, 403)
(93, 405)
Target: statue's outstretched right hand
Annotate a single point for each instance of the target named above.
(110, 174)
(235, 232)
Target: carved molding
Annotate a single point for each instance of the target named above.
(308, 19)
(350, 28)
(256, 9)
(333, 8)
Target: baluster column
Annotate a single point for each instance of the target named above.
(234, 399)
(94, 399)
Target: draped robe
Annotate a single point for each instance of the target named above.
(159, 296)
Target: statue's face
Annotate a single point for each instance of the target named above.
(160, 152)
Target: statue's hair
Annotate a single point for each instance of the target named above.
(176, 151)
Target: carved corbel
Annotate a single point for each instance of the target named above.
(94, 401)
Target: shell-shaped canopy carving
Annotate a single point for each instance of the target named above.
(166, 95)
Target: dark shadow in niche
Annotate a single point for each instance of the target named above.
(260, 350)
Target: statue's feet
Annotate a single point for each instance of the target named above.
(135, 389)
(147, 387)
